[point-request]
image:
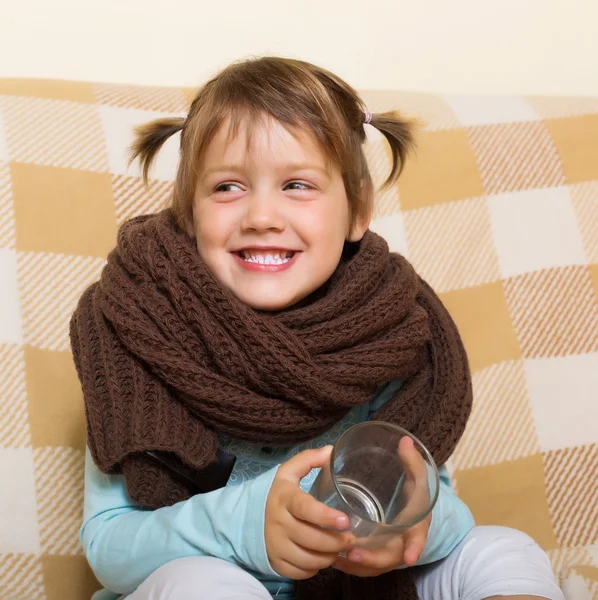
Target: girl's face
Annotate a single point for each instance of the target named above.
(271, 214)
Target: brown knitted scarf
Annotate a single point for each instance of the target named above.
(167, 357)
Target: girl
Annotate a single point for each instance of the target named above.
(255, 320)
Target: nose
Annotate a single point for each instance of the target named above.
(263, 213)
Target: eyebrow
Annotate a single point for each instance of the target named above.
(287, 167)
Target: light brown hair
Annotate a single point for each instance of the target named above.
(298, 95)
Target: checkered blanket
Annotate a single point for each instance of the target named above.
(498, 211)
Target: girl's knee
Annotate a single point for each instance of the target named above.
(500, 561)
(496, 536)
(196, 578)
(499, 549)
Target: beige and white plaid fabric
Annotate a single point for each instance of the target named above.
(498, 211)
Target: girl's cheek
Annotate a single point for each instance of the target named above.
(218, 223)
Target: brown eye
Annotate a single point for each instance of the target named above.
(297, 185)
(228, 187)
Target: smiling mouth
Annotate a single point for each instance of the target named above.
(267, 257)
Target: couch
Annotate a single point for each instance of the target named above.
(498, 211)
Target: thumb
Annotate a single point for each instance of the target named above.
(413, 462)
(415, 542)
(299, 466)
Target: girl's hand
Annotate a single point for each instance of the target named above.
(297, 544)
(404, 549)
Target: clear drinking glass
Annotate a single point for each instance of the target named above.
(382, 477)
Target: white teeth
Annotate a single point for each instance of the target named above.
(268, 259)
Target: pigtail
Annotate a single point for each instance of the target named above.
(400, 135)
(149, 138)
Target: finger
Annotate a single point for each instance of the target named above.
(299, 466)
(413, 462)
(388, 557)
(306, 508)
(316, 538)
(350, 568)
(415, 542)
(415, 491)
(309, 560)
(287, 569)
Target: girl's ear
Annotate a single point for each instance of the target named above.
(358, 228)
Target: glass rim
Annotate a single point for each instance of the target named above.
(422, 448)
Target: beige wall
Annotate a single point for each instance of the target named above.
(488, 46)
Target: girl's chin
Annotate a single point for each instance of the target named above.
(267, 297)
(269, 303)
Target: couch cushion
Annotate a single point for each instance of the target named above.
(498, 211)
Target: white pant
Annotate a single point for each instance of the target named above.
(490, 561)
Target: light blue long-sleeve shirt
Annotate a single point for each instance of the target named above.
(125, 543)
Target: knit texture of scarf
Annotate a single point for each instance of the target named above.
(168, 357)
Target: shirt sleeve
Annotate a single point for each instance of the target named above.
(125, 543)
(451, 522)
